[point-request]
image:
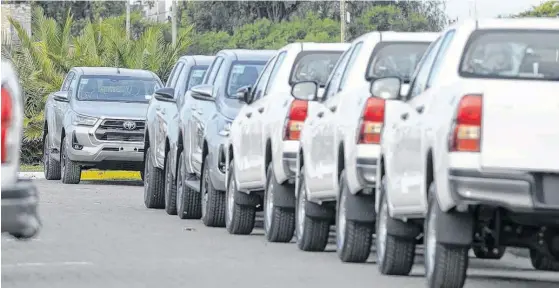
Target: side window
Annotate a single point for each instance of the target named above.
(172, 74)
(281, 57)
(334, 82)
(263, 80)
(213, 70)
(175, 78)
(422, 73)
(440, 57)
(180, 83)
(66, 83)
(350, 62)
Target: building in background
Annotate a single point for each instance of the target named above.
(20, 12)
(155, 10)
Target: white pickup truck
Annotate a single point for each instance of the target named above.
(473, 161)
(19, 197)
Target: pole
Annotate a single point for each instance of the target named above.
(128, 19)
(174, 22)
(342, 20)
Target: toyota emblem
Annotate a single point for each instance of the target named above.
(129, 125)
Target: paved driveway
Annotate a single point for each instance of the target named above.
(99, 234)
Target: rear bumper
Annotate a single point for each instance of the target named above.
(290, 150)
(517, 192)
(19, 209)
(364, 161)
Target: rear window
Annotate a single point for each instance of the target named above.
(512, 54)
(243, 73)
(116, 88)
(196, 76)
(314, 66)
(396, 59)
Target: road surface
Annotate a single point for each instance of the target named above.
(99, 234)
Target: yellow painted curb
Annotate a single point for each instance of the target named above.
(106, 175)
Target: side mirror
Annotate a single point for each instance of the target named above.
(202, 92)
(387, 88)
(166, 94)
(305, 90)
(61, 96)
(243, 94)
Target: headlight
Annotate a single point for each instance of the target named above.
(225, 129)
(83, 120)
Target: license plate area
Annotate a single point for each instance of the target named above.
(549, 190)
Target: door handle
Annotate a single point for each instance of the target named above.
(320, 114)
(261, 109)
(200, 111)
(249, 114)
(419, 109)
(404, 116)
(192, 107)
(163, 112)
(333, 108)
(157, 108)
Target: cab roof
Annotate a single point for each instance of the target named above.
(248, 55)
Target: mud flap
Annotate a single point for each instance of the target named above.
(401, 229)
(246, 199)
(318, 211)
(360, 208)
(454, 228)
(284, 196)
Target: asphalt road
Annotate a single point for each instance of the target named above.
(99, 234)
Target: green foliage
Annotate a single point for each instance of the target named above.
(546, 9)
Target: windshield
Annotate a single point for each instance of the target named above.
(113, 88)
(243, 73)
(314, 66)
(196, 76)
(396, 60)
(524, 54)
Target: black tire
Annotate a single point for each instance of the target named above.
(312, 234)
(142, 175)
(51, 167)
(481, 254)
(279, 223)
(395, 256)
(213, 201)
(170, 188)
(353, 239)
(543, 262)
(154, 184)
(239, 219)
(446, 265)
(188, 201)
(71, 171)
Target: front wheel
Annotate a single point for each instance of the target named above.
(239, 219)
(154, 184)
(188, 200)
(51, 167)
(543, 262)
(213, 201)
(70, 170)
(170, 187)
(445, 265)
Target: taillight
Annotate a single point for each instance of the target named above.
(372, 122)
(467, 130)
(295, 120)
(6, 120)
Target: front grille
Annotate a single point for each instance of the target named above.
(117, 130)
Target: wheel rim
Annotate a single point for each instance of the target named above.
(381, 232)
(205, 194)
(180, 185)
(269, 206)
(340, 230)
(431, 243)
(301, 201)
(230, 200)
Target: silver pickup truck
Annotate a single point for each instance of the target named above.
(96, 120)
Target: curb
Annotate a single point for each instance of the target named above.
(89, 175)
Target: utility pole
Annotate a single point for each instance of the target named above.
(127, 19)
(342, 20)
(174, 22)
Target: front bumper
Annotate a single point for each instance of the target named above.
(93, 150)
(517, 192)
(19, 209)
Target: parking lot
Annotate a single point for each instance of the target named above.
(99, 234)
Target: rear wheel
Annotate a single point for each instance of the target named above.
(170, 188)
(154, 184)
(188, 200)
(279, 223)
(239, 219)
(544, 262)
(213, 201)
(312, 233)
(70, 170)
(51, 167)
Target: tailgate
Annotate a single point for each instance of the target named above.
(520, 125)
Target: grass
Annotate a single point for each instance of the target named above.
(31, 168)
